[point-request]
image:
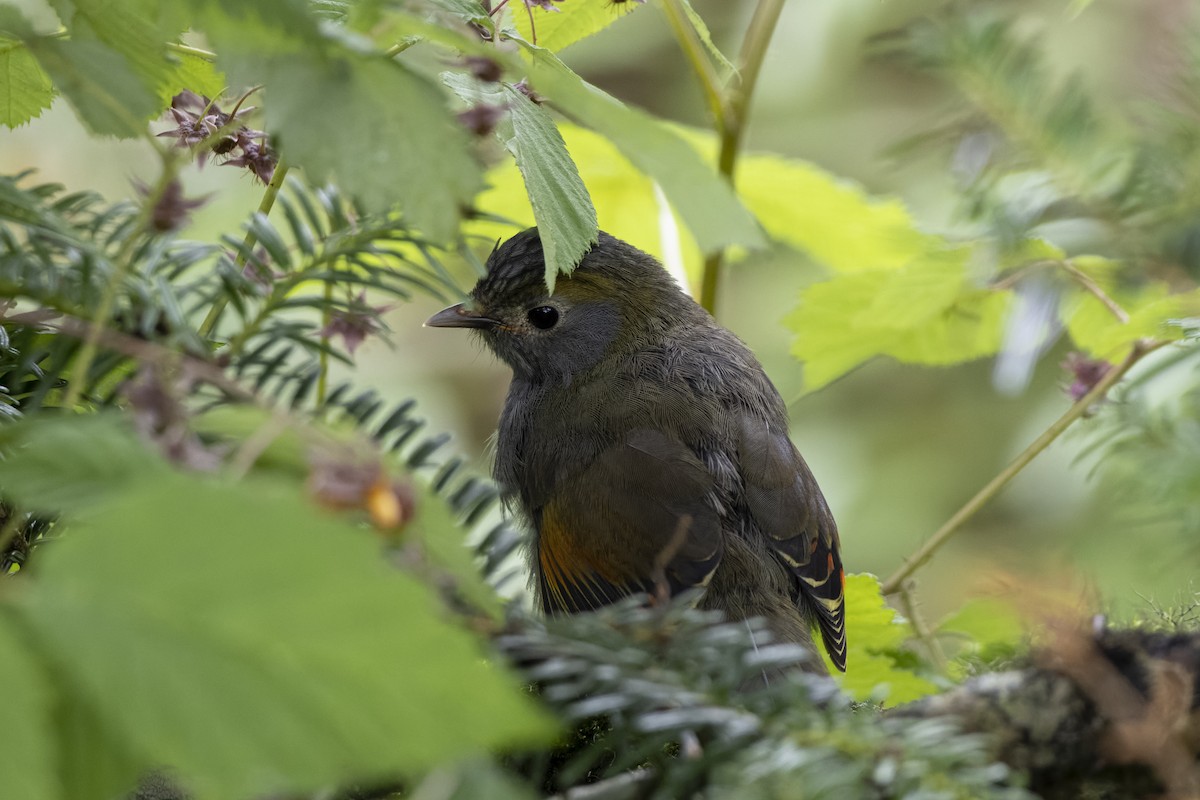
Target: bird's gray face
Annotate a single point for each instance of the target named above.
(544, 338)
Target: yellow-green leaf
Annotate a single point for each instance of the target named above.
(623, 197)
(1096, 329)
(874, 631)
(828, 217)
(25, 89)
(567, 23)
(927, 312)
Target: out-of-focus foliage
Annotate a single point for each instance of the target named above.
(224, 649)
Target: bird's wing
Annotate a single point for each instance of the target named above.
(787, 506)
(637, 519)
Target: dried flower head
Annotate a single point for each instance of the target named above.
(172, 210)
(483, 68)
(260, 159)
(522, 86)
(483, 118)
(200, 121)
(1085, 373)
(355, 323)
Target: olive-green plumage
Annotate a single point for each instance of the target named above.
(647, 448)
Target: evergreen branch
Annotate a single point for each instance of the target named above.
(121, 266)
(953, 525)
(251, 239)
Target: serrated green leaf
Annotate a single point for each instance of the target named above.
(30, 760)
(470, 10)
(701, 28)
(563, 210)
(381, 131)
(191, 72)
(925, 313)
(568, 23)
(911, 296)
(25, 89)
(623, 197)
(68, 464)
(873, 630)
(1095, 329)
(830, 218)
(705, 202)
(258, 647)
(128, 27)
(109, 97)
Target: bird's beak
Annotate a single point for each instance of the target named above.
(460, 316)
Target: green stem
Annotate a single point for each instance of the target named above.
(108, 300)
(693, 50)
(908, 601)
(750, 61)
(264, 207)
(323, 358)
(953, 525)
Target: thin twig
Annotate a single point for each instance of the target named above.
(993, 487)
(1078, 275)
(1094, 288)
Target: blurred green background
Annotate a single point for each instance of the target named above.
(897, 449)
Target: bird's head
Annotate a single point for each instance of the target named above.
(617, 299)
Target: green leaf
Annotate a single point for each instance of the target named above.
(568, 23)
(258, 647)
(623, 197)
(927, 312)
(1094, 328)
(190, 72)
(469, 10)
(70, 463)
(25, 89)
(984, 628)
(562, 208)
(380, 130)
(29, 758)
(443, 543)
(702, 31)
(874, 634)
(830, 218)
(704, 201)
(984, 622)
(128, 27)
(107, 94)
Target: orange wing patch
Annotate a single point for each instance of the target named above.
(570, 578)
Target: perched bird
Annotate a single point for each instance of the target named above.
(647, 448)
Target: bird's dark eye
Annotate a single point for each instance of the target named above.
(544, 317)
